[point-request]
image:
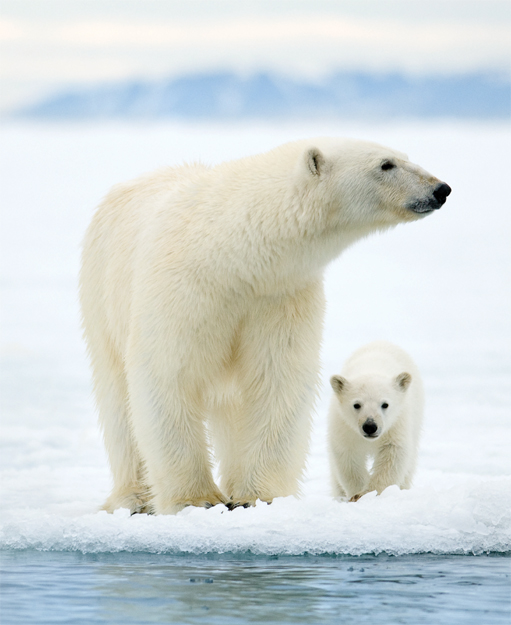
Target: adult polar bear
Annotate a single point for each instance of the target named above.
(202, 300)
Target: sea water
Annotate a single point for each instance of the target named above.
(87, 589)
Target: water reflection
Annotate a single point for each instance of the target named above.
(230, 589)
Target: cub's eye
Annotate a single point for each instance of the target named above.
(387, 165)
(385, 406)
(357, 406)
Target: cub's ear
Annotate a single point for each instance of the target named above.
(403, 381)
(315, 161)
(338, 383)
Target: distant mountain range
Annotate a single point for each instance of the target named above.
(225, 95)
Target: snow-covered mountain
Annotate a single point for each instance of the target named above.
(225, 95)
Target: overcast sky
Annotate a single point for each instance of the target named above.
(46, 44)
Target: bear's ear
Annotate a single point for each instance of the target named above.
(403, 381)
(338, 383)
(315, 161)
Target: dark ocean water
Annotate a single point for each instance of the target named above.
(88, 589)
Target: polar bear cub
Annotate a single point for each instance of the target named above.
(376, 412)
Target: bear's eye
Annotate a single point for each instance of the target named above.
(357, 406)
(384, 405)
(387, 165)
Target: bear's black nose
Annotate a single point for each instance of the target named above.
(441, 192)
(369, 427)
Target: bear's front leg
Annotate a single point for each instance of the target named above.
(277, 363)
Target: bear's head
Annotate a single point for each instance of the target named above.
(370, 404)
(369, 185)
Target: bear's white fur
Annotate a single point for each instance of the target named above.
(202, 300)
(376, 412)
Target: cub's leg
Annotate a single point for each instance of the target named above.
(277, 365)
(410, 464)
(389, 467)
(349, 472)
(337, 488)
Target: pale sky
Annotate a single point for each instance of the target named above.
(49, 44)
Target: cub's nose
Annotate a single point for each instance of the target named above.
(441, 192)
(369, 427)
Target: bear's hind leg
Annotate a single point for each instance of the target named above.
(226, 433)
(171, 436)
(129, 490)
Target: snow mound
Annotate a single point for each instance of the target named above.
(471, 517)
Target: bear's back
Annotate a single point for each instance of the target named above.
(110, 247)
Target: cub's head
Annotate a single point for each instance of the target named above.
(370, 404)
(369, 185)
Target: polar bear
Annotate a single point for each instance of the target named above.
(202, 305)
(376, 412)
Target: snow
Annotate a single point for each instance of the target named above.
(439, 288)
